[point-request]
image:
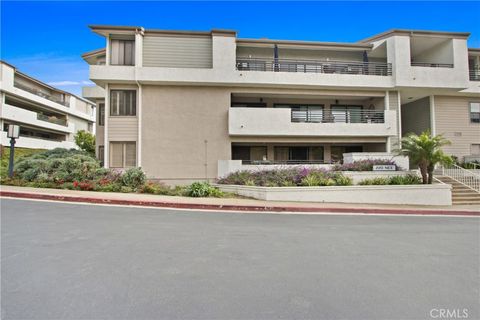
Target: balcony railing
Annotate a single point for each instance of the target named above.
(348, 116)
(283, 162)
(52, 119)
(431, 65)
(474, 74)
(42, 94)
(314, 66)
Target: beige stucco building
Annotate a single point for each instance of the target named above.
(48, 117)
(176, 103)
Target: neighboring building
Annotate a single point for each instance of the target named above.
(48, 117)
(177, 102)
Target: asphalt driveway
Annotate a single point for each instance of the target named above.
(70, 261)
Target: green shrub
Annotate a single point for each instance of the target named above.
(394, 180)
(133, 178)
(85, 141)
(203, 189)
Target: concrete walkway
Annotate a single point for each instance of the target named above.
(226, 203)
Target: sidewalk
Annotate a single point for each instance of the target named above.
(234, 204)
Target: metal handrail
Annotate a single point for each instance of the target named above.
(466, 177)
(314, 66)
(332, 116)
(431, 65)
(474, 74)
(42, 94)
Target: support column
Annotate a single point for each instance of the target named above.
(270, 152)
(327, 153)
(433, 129)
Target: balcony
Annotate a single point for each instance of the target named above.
(39, 120)
(56, 99)
(474, 74)
(52, 119)
(431, 65)
(285, 122)
(314, 66)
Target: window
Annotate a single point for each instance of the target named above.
(123, 103)
(249, 153)
(101, 114)
(299, 154)
(475, 149)
(122, 52)
(123, 154)
(90, 127)
(101, 154)
(475, 112)
(346, 114)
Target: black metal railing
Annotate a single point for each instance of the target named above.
(282, 162)
(431, 65)
(42, 94)
(474, 74)
(315, 66)
(339, 116)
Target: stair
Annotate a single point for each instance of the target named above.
(461, 194)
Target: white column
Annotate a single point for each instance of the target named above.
(399, 119)
(107, 51)
(106, 145)
(139, 48)
(387, 107)
(432, 116)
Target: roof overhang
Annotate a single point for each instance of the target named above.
(406, 32)
(309, 45)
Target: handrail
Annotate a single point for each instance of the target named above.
(338, 116)
(314, 66)
(466, 177)
(474, 74)
(42, 94)
(431, 65)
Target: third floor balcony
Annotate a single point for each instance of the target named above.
(314, 66)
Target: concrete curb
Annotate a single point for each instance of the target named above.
(163, 204)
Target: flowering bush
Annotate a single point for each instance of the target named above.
(363, 165)
(297, 176)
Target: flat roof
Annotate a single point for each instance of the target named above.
(411, 32)
(270, 42)
(44, 84)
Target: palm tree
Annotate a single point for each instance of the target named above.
(425, 151)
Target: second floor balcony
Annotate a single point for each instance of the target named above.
(314, 66)
(290, 122)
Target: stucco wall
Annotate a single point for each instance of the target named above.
(416, 116)
(452, 119)
(176, 122)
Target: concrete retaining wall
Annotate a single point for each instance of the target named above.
(434, 194)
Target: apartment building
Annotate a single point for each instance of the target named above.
(48, 117)
(177, 103)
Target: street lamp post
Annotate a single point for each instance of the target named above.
(13, 133)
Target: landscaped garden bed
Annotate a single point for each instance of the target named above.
(77, 170)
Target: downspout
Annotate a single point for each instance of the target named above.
(141, 32)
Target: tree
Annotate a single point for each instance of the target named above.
(425, 151)
(85, 141)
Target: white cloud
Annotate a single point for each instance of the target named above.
(54, 69)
